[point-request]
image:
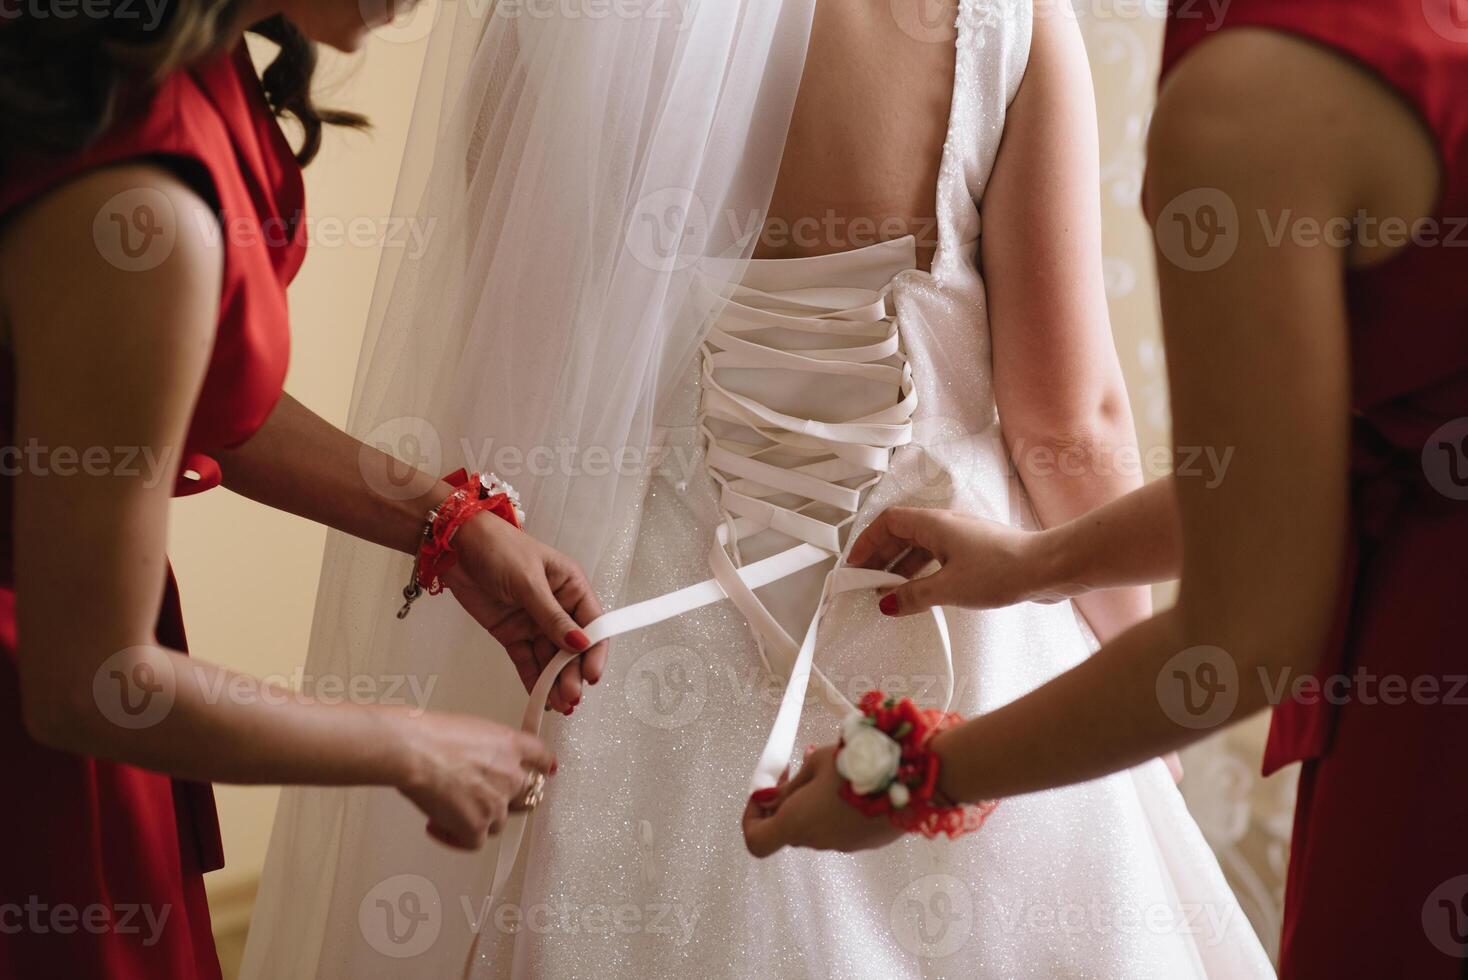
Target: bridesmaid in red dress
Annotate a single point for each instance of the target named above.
(142, 353)
(1308, 184)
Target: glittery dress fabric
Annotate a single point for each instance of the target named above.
(635, 868)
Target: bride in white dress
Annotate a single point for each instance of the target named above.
(839, 378)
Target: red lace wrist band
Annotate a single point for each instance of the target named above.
(472, 495)
(890, 770)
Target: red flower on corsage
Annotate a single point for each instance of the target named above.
(890, 771)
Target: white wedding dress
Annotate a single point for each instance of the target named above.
(831, 388)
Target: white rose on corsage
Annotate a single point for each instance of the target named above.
(493, 484)
(869, 758)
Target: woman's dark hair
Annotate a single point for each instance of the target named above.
(68, 68)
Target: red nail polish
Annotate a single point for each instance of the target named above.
(888, 605)
(577, 640)
(764, 797)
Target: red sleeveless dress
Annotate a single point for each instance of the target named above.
(101, 864)
(1378, 879)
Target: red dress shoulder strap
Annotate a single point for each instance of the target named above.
(213, 117)
(211, 124)
(1418, 47)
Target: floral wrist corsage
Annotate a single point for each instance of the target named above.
(473, 494)
(890, 771)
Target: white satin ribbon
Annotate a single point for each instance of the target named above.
(780, 745)
(857, 450)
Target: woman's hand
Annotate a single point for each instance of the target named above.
(532, 599)
(467, 774)
(982, 564)
(808, 811)
(987, 565)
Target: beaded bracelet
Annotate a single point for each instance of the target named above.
(890, 770)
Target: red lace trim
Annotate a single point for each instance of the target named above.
(469, 499)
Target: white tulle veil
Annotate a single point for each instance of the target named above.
(577, 165)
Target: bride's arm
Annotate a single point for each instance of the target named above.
(1062, 400)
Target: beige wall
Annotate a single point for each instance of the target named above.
(248, 574)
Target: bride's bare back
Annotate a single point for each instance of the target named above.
(866, 139)
(861, 165)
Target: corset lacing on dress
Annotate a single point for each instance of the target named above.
(838, 347)
(802, 477)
